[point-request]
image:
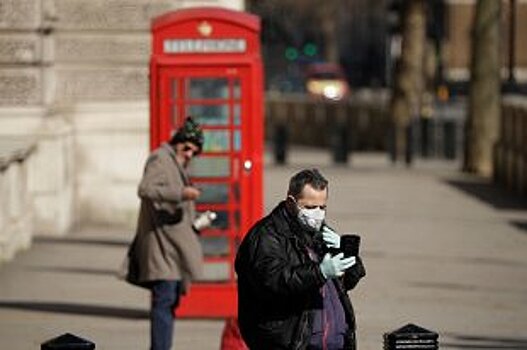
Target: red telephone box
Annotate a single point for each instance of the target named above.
(206, 63)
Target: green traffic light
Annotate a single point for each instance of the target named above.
(291, 54)
(310, 50)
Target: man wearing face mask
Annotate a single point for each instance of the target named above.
(291, 290)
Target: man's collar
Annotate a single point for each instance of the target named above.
(170, 149)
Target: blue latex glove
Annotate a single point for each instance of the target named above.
(330, 237)
(335, 266)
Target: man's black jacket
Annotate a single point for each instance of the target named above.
(279, 285)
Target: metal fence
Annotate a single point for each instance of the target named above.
(361, 123)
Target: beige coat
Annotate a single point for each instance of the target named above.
(165, 246)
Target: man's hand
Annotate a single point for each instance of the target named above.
(190, 193)
(331, 238)
(335, 266)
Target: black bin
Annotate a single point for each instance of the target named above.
(67, 341)
(411, 337)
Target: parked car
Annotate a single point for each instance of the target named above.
(327, 81)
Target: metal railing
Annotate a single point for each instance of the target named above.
(360, 123)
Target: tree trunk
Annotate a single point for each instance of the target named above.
(409, 75)
(328, 20)
(482, 127)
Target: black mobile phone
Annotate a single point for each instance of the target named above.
(349, 244)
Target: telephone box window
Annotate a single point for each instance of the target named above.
(208, 88)
(210, 114)
(237, 92)
(213, 194)
(216, 141)
(210, 167)
(215, 246)
(237, 140)
(237, 114)
(216, 271)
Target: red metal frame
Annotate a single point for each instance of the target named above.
(209, 299)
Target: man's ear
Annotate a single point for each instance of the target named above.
(290, 202)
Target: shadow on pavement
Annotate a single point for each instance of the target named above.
(76, 240)
(458, 341)
(522, 225)
(489, 193)
(76, 309)
(74, 270)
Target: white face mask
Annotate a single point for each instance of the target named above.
(311, 218)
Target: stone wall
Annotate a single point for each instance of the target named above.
(100, 51)
(74, 76)
(20, 53)
(111, 145)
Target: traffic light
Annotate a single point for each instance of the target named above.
(291, 53)
(310, 50)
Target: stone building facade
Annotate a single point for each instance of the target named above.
(74, 76)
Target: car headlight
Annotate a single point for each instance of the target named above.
(333, 92)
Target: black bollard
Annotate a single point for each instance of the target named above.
(280, 144)
(67, 341)
(425, 137)
(411, 337)
(339, 144)
(390, 143)
(449, 139)
(409, 152)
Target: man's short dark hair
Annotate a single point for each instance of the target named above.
(305, 177)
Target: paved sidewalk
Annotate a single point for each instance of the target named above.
(442, 250)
